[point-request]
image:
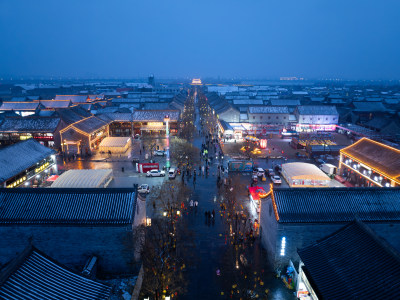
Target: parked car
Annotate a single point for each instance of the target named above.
(260, 172)
(144, 189)
(270, 172)
(155, 173)
(276, 179)
(159, 153)
(172, 173)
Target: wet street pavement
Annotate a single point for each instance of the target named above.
(212, 250)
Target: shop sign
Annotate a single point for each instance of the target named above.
(42, 167)
(16, 182)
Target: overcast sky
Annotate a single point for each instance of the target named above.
(356, 39)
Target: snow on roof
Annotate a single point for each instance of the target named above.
(30, 124)
(55, 103)
(155, 115)
(268, 110)
(19, 106)
(18, 157)
(73, 98)
(317, 110)
(286, 102)
(248, 102)
(83, 178)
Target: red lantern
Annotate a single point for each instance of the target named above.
(263, 144)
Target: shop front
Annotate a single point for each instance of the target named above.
(315, 127)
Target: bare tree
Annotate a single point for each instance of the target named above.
(183, 152)
(166, 249)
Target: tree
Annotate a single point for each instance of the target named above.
(245, 149)
(167, 244)
(183, 152)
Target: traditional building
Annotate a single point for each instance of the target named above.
(33, 275)
(291, 219)
(43, 129)
(26, 163)
(22, 108)
(316, 118)
(69, 221)
(270, 115)
(351, 263)
(370, 163)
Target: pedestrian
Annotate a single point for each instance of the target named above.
(140, 151)
(191, 203)
(213, 214)
(196, 203)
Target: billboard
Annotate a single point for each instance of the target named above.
(145, 167)
(240, 166)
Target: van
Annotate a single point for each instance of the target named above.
(172, 173)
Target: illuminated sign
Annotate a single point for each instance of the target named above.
(42, 167)
(17, 182)
(155, 124)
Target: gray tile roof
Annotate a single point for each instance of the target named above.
(55, 103)
(35, 276)
(20, 106)
(317, 110)
(155, 115)
(337, 260)
(324, 205)
(90, 124)
(67, 206)
(369, 106)
(73, 98)
(18, 157)
(30, 124)
(286, 102)
(268, 110)
(376, 155)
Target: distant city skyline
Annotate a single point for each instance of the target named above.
(206, 39)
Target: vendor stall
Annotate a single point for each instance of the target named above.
(115, 144)
(304, 175)
(84, 179)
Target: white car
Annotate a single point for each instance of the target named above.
(144, 189)
(159, 153)
(155, 173)
(260, 172)
(276, 179)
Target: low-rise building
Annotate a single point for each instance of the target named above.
(291, 219)
(351, 263)
(278, 115)
(68, 221)
(370, 163)
(316, 118)
(33, 274)
(26, 163)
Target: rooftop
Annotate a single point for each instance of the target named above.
(30, 124)
(378, 156)
(17, 158)
(155, 115)
(20, 106)
(327, 205)
(317, 110)
(67, 206)
(268, 110)
(354, 249)
(33, 275)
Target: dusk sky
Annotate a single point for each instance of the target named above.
(358, 39)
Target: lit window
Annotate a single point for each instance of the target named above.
(283, 246)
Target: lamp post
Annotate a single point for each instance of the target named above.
(166, 120)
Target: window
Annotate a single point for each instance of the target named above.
(304, 119)
(334, 119)
(254, 117)
(269, 117)
(319, 119)
(283, 246)
(284, 118)
(326, 119)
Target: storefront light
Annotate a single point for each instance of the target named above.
(387, 184)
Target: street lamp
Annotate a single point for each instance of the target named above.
(166, 120)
